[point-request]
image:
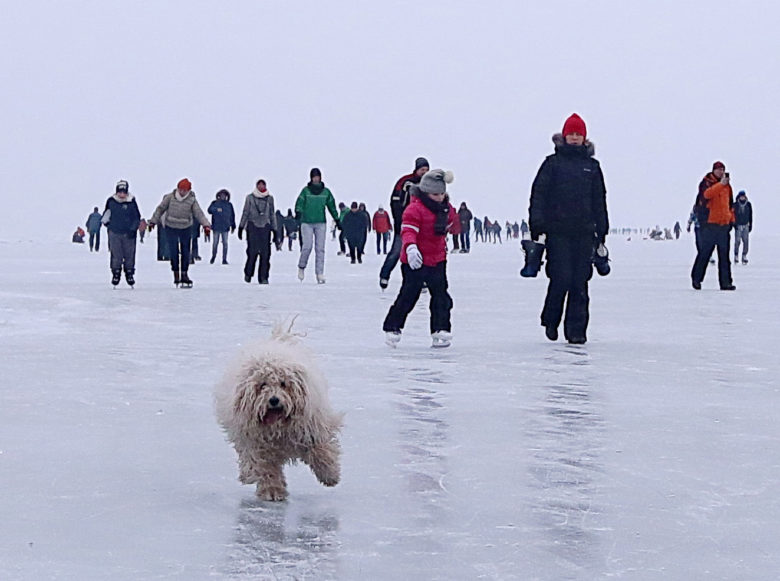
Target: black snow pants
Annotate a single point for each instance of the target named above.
(411, 287)
(569, 268)
(713, 236)
(258, 244)
(179, 245)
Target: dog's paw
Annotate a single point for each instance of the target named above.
(271, 493)
(328, 477)
(332, 481)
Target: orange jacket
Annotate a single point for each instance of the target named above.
(720, 200)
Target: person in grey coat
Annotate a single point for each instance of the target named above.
(743, 213)
(121, 218)
(181, 210)
(93, 227)
(259, 220)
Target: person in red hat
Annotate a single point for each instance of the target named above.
(569, 207)
(715, 213)
(181, 209)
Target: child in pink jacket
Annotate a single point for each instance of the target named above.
(424, 228)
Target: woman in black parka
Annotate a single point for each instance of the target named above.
(569, 206)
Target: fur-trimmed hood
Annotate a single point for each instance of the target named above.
(128, 199)
(559, 141)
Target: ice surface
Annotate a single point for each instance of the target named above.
(653, 452)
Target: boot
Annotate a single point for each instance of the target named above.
(551, 332)
(185, 279)
(116, 276)
(176, 277)
(129, 277)
(533, 258)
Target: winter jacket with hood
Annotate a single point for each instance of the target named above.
(312, 202)
(568, 195)
(179, 211)
(122, 216)
(465, 216)
(381, 222)
(223, 216)
(417, 227)
(743, 212)
(259, 210)
(400, 198)
(353, 224)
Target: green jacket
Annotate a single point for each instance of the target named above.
(311, 207)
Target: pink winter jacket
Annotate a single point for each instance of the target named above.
(417, 228)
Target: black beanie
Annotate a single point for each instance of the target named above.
(421, 162)
(315, 171)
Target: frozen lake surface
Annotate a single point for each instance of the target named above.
(653, 452)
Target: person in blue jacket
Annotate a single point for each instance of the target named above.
(93, 227)
(122, 217)
(223, 222)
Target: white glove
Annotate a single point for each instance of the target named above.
(414, 257)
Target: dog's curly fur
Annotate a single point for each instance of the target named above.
(273, 405)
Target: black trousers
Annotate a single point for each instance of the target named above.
(163, 248)
(179, 244)
(258, 245)
(411, 287)
(355, 249)
(569, 268)
(713, 236)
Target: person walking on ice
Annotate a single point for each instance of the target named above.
(121, 218)
(181, 210)
(569, 206)
(310, 208)
(743, 213)
(424, 228)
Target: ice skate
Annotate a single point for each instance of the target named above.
(441, 339)
(320, 279)
(116, 277)
(185, 280)
(383, 282)
(301, 273)
(130, 278)
(392, 338)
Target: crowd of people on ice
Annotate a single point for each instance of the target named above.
(568, 223)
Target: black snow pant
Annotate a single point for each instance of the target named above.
(342, 242)
(713, 236)
(258, 245)
(179, 246)
(122, 248)
(569, 268)
(163, 248)
(355, 250)
(391, 260)
(94, 240)
(411, 287)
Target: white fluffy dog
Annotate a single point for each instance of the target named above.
(273, 405)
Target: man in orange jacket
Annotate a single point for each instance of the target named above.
(716, 215)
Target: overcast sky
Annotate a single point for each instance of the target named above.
(227, 92)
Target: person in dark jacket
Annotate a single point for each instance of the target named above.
(223, 222)
(93, 227)
(353, 225)
(478, 235)
(399, 200)
(464, 217)
(121, 218)
(291, 228)
(743, 213)
(366, 223)
(278, 234)
(569, 206)
(259, 220)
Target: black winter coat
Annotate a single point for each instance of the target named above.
(124, 217)
(400, 198)
(744, 214)
(464, 217)
(568, 195)
(353, 224)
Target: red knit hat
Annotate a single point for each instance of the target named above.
(718, 165)
(184, 185)
(574, 124)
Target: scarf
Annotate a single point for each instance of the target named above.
(316, 188)
(258, 194)
(181, 198)
(440, 209)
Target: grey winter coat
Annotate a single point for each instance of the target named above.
(179, 213)
(260, 211)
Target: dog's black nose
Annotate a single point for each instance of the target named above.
(274, 401)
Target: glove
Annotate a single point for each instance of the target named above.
(150, 226)
(688, 229)
(414, 257)
(232, 229)
(240, 233)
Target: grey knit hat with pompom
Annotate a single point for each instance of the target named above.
(435, 181)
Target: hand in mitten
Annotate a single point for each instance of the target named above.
(240, 233)
(207, 230)
(414, 257)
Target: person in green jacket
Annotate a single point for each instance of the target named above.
(310, 208)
